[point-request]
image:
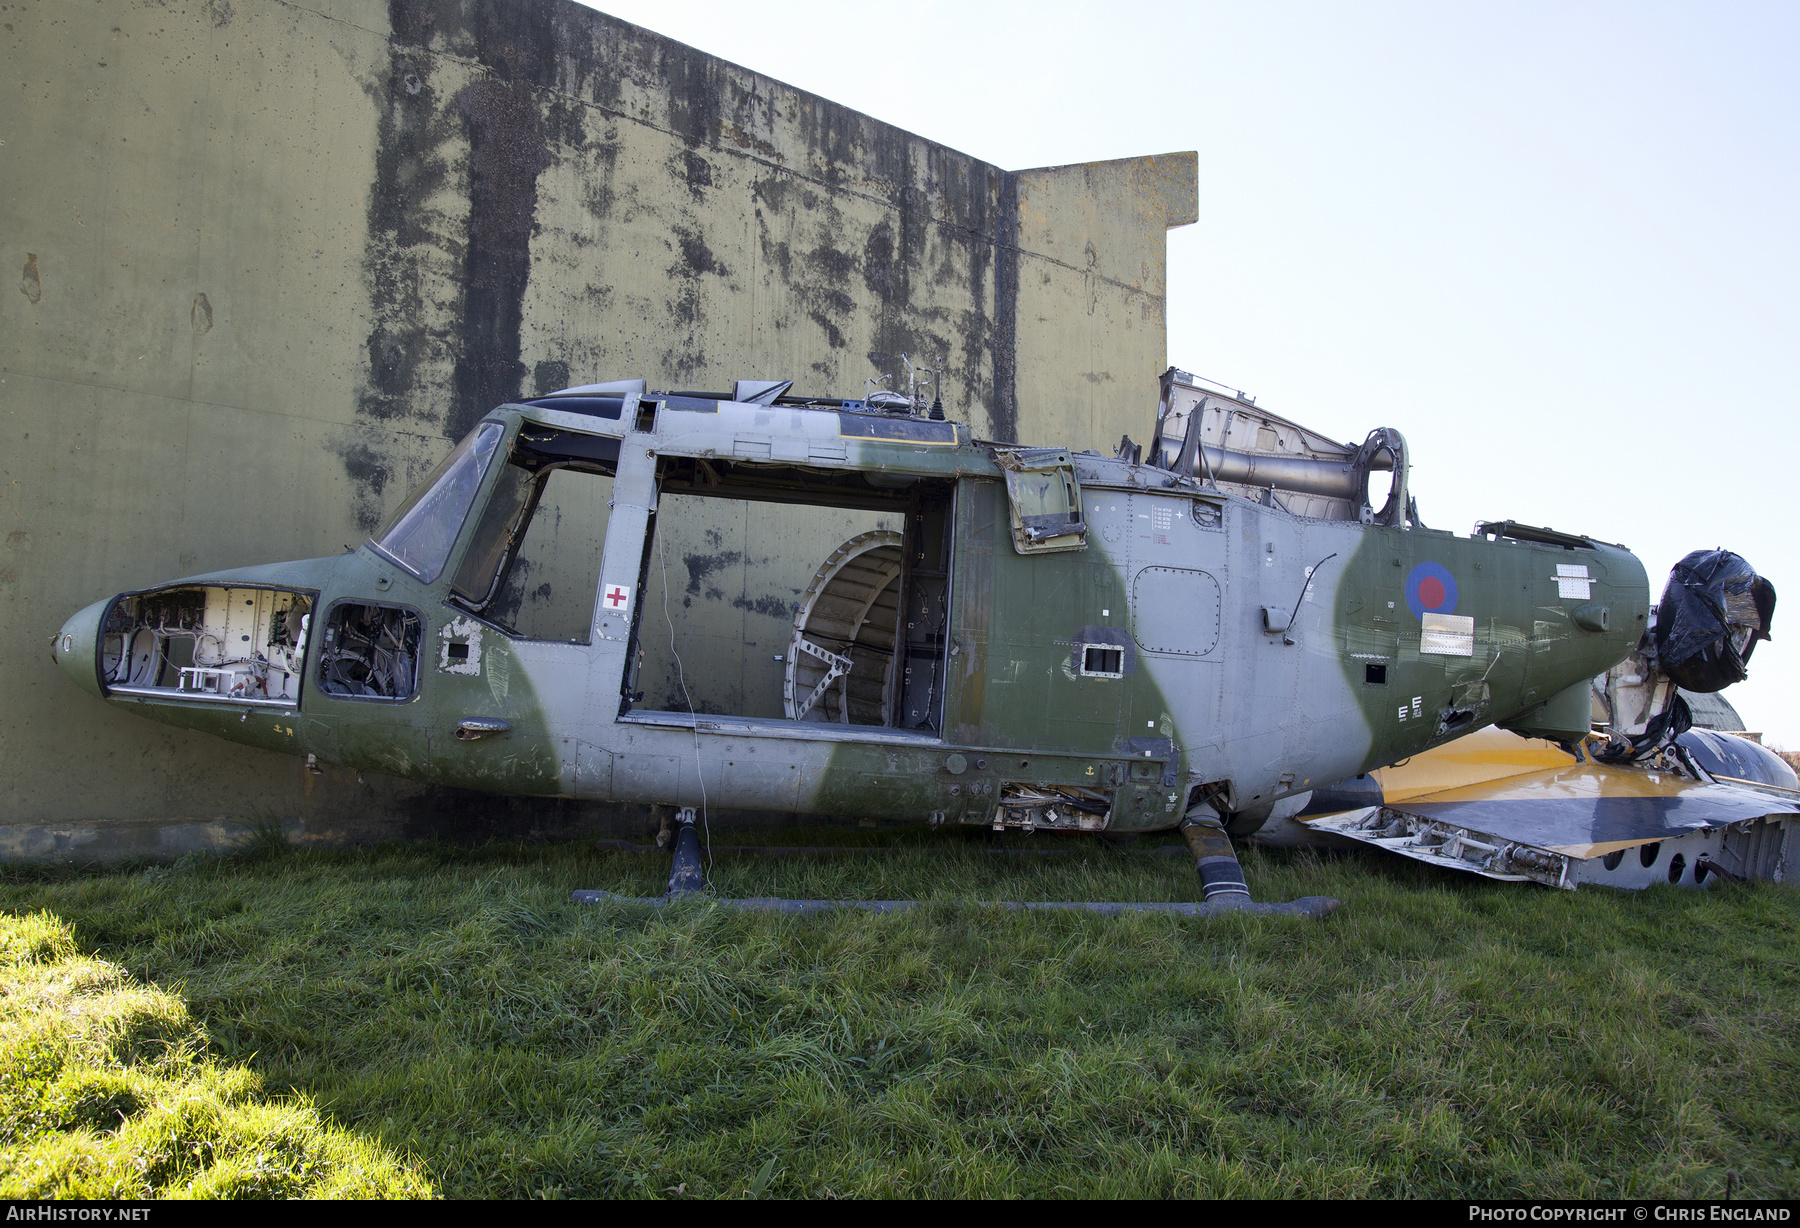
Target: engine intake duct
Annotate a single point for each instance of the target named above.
(1344, 478)
(1333, 478)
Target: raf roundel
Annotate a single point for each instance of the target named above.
(1430, 589)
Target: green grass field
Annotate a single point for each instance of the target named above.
(424, 1019)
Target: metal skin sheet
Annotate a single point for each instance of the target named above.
(1485, 755)
(1471, 804)
(1694, 857)
(1267, 715)
(1585, 811)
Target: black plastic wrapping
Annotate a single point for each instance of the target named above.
(1713, 611)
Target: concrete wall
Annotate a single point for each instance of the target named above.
(274, 254)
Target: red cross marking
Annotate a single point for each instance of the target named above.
(616, 596)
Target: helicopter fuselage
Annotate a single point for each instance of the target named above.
(1045, 639)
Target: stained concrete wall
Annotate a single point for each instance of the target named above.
(275, 254)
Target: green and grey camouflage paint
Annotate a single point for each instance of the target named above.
(1258, 653)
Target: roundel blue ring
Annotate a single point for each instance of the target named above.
(1430, 571)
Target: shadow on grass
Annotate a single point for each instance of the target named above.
(1435, 1038)
(108, 1090)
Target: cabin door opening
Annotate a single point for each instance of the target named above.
(781, 596)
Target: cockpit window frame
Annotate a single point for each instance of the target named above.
(549, 449)
(514, 534)
(503, 432)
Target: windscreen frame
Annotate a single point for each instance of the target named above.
(539, 455)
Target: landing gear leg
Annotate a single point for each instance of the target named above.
(687, 876)
(1221, 877)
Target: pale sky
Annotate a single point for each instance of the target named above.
(1555, 245)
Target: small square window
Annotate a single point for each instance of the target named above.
(1375, 675)
(1109, 662)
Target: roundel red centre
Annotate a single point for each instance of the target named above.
(1430, 589)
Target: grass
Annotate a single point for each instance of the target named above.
(1435, 1038)
(105, 1093)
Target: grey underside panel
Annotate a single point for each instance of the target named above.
(1556, 822)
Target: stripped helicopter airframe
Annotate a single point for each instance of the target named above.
(1013, 637)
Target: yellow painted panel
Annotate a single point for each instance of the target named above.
(1486, 755)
